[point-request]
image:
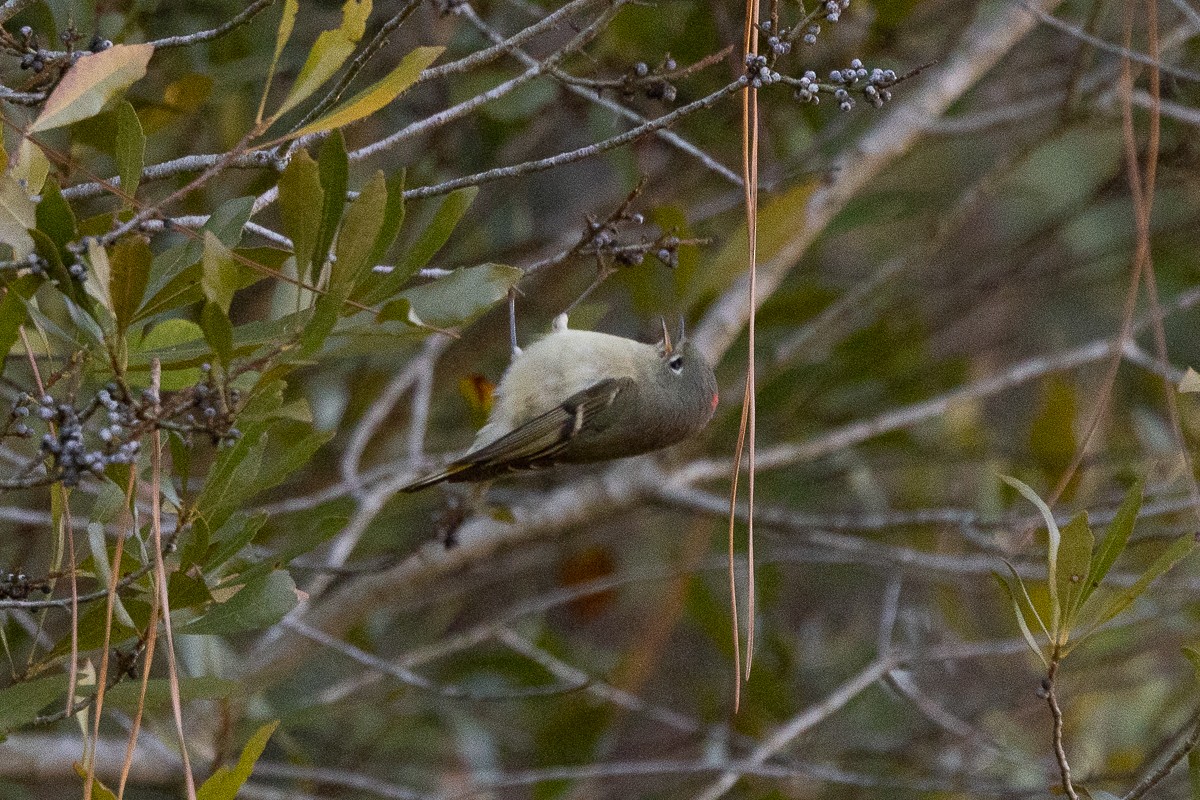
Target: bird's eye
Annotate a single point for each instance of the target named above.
(676, 364)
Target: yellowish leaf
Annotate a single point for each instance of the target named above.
(328, 53)
(91, 82)
(377, 96)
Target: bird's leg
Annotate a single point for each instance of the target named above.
(460, 506)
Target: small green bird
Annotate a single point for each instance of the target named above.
(582, 396)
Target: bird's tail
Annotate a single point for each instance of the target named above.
(447, 474)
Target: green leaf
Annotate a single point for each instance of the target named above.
(219, 277)
(1054, 538)
(129, 263)
(393, 218)
(328, 53)
(286, 23)
(226, 223)
(438, 231)
(377, 95)
(431, 239)
(1020, 616)
(13, 312)
(218, 331)
(226, 547)
(171, 332)
(17, 215)
(299, 443)
(1180, 548)
(1115, 540)
(185, 289)
(225, 782)
(457, 299)
(130, 148)
(257, 605)
(56, 219)
(99, 790)
(301, 200)
(22, 702)
(1074, 564)
(356, 238)
(334, 169)
(91, 82)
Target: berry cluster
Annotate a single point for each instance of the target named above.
(873, 84)
(759, 72)
(652, 83)
(85, 439)
(780, 41)
(833, 9)
(64, 443)
(19, 586)
(209, 413)
(36, 58)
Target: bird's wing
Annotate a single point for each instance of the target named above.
(536, 442)
(547, 435)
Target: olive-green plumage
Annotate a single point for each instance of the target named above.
(581, 396)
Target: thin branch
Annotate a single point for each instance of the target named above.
(802, 723)
(1108, 47)
(1185, 743)
(561, 159)
(672, 138)
(981, 46)
(1060, 753)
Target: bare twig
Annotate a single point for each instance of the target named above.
(1060, 753)
(1185, 742)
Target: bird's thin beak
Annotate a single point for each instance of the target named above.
(666, 342)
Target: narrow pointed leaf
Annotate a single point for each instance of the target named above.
(219, 277)
(355, 240)
(225, 782)
(393, 218)
(91, 82)
(55, 218)
(218, 331)
(1115, 539)
(455, 300)
(328, 53)
(360, 228)
(13, 312)
(1054, 538)
(377, 96)
(334, 169)
(301, 200)
(286, 23)
(1020, 617)
(130, 264)
(1179, 549)
(130, 148)
(17, 215)
(257, 605)
(1074, 563)
(431, 239)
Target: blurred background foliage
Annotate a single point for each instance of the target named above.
(592, 656)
